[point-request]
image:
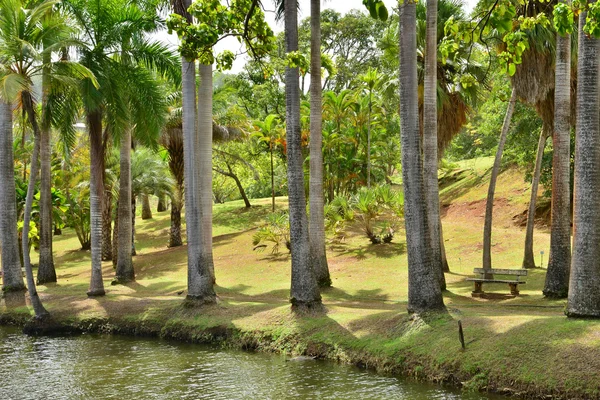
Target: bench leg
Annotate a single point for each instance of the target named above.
(478, 291)
(514, 289)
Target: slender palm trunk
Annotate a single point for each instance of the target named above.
(38, 308)
(46, 271)
(204, 159)
(200, 280)
(559, 266)
(584, 285)
(272, 179)
(369, 140)
(424, 292)
(430, 142)
(115, 239)
(489, 207)
(107, 226)
(176, 165)
(304, 289)
(528, 256)
(318, 255)
(133, 214)
(12, 278)
(125, 272)
(146, 209)
(94, 121)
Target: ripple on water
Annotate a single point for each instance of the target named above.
(109, 367)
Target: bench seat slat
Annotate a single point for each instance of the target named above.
(501, 271)
(494, 281)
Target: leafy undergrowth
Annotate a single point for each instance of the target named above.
(523, 346)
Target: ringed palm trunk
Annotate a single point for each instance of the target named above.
(176, 165)
(489, 207)
(304, 288)
(94, 120)
(584, 285)
(528, 256)
(424, 292)
(12, 278)
(430, 142)
(125, 272)
(107, 225)
(200, 286)
(38, 308)
(204, 160)
(557, 276)
(46, 271)
(316, 225)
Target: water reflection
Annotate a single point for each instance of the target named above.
(109, 367)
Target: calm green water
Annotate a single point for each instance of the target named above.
(113, 367)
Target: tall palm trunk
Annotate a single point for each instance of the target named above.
(125, 272)
(176, 165)
(318, 255)
(38, 308)
(272, 177)
(46, 271)
(204, 160)
(94, 120)
(107, 225)
(12, 279)
(304, 289)
(200, 283)
(528, 256)
(133, 214)
(557, 277)
(424, 292)
(584, 285)
(430, 142)
(489, 206)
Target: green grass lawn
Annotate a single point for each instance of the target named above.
(520, 345)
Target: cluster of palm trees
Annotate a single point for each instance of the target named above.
(97, 64)
(115, 84)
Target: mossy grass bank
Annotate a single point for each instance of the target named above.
(523, 346)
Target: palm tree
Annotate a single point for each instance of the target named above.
(318, 255)
(111, 107)
(489, 207)
(12, 279)
(557, 276)
(304, 289)
(32, 29)
(269, 131)
(199, 281)
(430, 140)
(584, 296)
(424, 292)
(204, 170)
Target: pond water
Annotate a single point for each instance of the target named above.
(116, 367)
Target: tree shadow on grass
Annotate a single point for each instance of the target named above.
(383, 250)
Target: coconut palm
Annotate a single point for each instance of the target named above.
(304, 289)
(424, 292)
(557, 277)
(316, 225)
(584, 296)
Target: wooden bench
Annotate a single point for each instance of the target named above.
(514, 284)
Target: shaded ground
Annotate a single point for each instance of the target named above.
(523, 345)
